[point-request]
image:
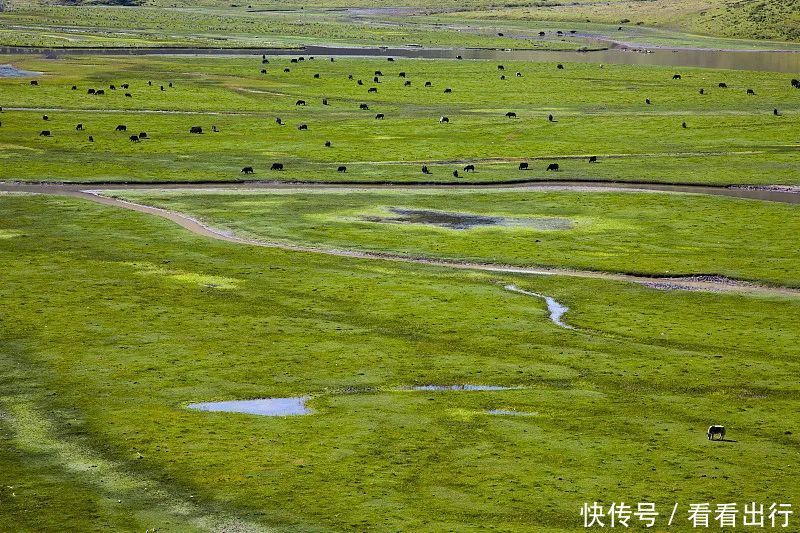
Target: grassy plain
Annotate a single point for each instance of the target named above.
(597, 111)
(634, 233)
(707, 23)
(113, 321)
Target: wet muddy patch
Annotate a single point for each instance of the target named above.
(556, 309)
(463, 221)
(261, 407)
(10, 71)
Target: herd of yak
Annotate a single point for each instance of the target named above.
(379, 116)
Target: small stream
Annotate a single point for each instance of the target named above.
(556, 309)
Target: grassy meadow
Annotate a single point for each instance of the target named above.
(633, 233)
(114, 321)
(596, 111)
(476, 23)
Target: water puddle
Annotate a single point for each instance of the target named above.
(556, 309)
(461, 221)
(263, 407)
(509, 412)
(459, 388)
(10, 71)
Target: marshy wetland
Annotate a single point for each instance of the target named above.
(348, 343)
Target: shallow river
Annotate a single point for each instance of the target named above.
(772, 61)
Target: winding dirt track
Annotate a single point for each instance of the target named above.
(697, 283)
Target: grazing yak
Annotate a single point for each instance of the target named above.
(372, 90)
(378, 73)
(121, 127)
(286, 70)
(91, 139)
(34, 82)
(112, 87)
(45, 117)
(500, 67)
(134, 138)
(425, 169)
(379, 116)
(716, 430)
(278, 121)
(196, 129)
(503, 77)
(316, 76)
(327, 144)
(276, 166)
(293, 60)
(723, 85)
(170, 85)
(143, 135)
(775, 112)
(593, 159)
(90, 91)
(214, 128)
(125, 86)
(341, 169)
(364, 106)
(519, 74)
(455, 173)
(44, 133)
(428, 84)
(300, 102)
(469, 168)
(550, 118)
(553, 167)
(444, 120)
(459, 57)
(376, 79)
(560, 66)
(79, 127)
(402, 74)
(796, 83)
(683, 125)
(349, 76)
(99, 92)
(162, 88)
(359, 82)
(511, 114)
(523, 166)
(324, 101)
(390, 59)
(263, 71)
(248, 170)
(128, 95)
(448, 90)
(676, 76)
(302, 127)
(74, 87)
(702, 91)
(751, 91)
(541, 34)
(647, 101)
(407, 83)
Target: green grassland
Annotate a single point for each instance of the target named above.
(118, 23)
(635, 233)
(113, 321)
(598, 111)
